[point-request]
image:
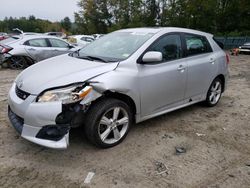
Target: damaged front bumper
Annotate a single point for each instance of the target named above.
(46, 124)
(37, 122)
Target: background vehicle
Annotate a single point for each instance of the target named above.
(97, 36)
(56, 34)
(21, 51)
(124, 77)
(3, 36)
(245, 48)
(81, 40)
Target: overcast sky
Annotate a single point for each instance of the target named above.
(54, 10)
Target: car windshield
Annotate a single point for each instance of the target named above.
(116, 46)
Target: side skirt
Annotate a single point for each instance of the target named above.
(187, 103)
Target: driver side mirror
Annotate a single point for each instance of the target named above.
(152, 56)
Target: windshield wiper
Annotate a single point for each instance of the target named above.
(97, 58)
(92, 58)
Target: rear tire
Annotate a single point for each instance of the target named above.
(214, 93)
(18, 62)
(107, 122)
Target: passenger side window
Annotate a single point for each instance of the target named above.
(36, 43)
(89, 39)
(197, 44)
(58, 43)
(169, 46)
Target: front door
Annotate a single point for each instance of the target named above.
(59, 47)
(162, 85)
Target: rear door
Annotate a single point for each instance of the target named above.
(39, 48)
(59, 47)
(202, 66)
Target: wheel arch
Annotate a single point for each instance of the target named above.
(29, 60)
(222, 78)
(123, 97)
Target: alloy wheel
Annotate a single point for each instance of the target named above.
(113, 125)
(17, 63)
(215, 92)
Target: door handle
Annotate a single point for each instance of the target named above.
(212, 61)
(181, 68)
(32, 49)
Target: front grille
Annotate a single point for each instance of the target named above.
(16, 121)
(21, 94)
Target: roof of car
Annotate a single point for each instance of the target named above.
(164, 29)
(38, 36)
(79, 36)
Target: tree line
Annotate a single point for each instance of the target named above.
(216, 16)
(221, 17)
(33, 24)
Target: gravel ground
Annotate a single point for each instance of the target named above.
(218, 156)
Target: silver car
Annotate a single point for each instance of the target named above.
(23, 50)
(123, 78)
(245, 48)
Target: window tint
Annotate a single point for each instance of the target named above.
(87, 39)
(37, 43)
(220, 44)
(169, 46)
(58, 43)
(197, 44)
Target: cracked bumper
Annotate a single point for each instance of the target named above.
(4, 57)
(29, 118)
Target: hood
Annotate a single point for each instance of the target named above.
(59, 71)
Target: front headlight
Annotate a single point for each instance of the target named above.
(66, 95)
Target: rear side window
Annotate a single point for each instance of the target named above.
(197, 44)
(36, 43)
(219, 43)
(169, 46)
(58, 43)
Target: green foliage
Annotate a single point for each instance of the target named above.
(66, 24)
(32, 24)
(222, 17)
(215, 16)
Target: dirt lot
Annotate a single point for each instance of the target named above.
(220, 157)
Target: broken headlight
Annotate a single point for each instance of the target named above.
(66, 95)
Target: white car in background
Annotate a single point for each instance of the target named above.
(21, 51)
(57, 34)
(81, 40)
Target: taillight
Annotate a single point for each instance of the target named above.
(5, 49)
(227, 58)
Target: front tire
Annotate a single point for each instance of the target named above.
(214, 93)
(107, 122)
